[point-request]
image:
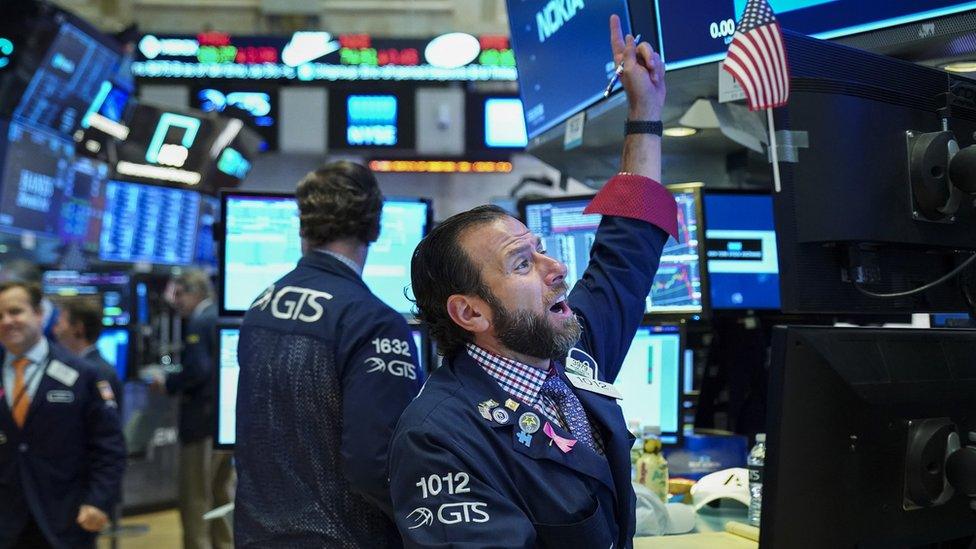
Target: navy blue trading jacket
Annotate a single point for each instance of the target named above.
(194, 383)
(70, 452)
(461, 480)
(326, 371)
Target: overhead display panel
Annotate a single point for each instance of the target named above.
(67, 81)
(562, 51)
(322, 56)
(694, 32)
(150, 224)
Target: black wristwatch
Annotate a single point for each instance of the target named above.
(653, 127)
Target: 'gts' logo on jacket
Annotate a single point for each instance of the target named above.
(293, 303)
(397, 368)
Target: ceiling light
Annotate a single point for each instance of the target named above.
(680, 131)
(701, 115)
(960, 66)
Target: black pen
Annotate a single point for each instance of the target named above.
(616, 73)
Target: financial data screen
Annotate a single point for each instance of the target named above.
(563, 55)
(568, 234)
(699, 31)
(262, 244)
(259, 107)
(504, 123)
(113, 345)
(206, 253)
(740, 245)
(144, 223)
(45, 189)
(67, 81)
(113, 288)
(649, 380)
(228, 372)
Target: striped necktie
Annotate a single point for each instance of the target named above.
(21, 398)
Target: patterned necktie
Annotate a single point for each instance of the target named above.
(21, 398)
(570, 407)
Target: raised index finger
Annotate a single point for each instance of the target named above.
(616, 39)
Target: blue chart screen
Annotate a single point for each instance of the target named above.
(563, 56)
(67, 82)
(569, 235)
(649, 377)
(151, 224)
(262, 244)
(206, 248)
(228, 373)
(740, 244)
(699, 31)
(36, 170)
(113, 345)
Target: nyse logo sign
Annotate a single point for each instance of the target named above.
(172, 154)
(396, 368)
(451, 513)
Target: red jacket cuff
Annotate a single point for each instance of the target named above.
(637, 197)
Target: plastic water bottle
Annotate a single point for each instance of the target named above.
(756, 459)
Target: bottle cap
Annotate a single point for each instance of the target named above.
(760, 437)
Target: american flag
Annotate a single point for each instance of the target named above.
(757, 58)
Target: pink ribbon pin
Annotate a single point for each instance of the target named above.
(564, 444)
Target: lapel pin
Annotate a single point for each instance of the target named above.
(564, 444)
(499, 415)
(529, 422)
(511, 405)
(525, 438)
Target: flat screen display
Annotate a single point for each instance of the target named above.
(67, 81)
(228, 372)
(563, 55)
(504, 123)
(262, 244)
(150, 224)
(699, 31)
(650, 381)
(740, 245)
(113, 288)
(113, 345)
(206, 250)
(36, 166)
(569, 234)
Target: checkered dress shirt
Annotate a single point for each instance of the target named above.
(524, 382)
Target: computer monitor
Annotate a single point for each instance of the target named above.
(377, 119)
(650, 380)
(113, 345)
(113, 288)
(740, 244)
(228, 372)
(554, 86)
(78, 59)
(206, 249)
(261, 243)
(694, 32)
(145, 223)
(860, 425)
(568, 234)
(494, 122)
(889, 216)
(257, 107)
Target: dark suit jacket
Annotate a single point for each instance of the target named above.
(69, 452)
(107, 372)
(195, 383)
